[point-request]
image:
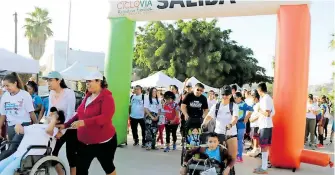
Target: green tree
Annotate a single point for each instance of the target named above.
(37, 31)
(195, 48)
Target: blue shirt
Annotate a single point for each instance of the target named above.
(214, 154)
(242, 110)
(36, 101)
(137, 107)
(46, 106)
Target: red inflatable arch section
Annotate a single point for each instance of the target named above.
(290, 89)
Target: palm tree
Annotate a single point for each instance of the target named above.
(37, 26)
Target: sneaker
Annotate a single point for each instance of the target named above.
(320, 146)
(135, 144)
(143, 145)
(148, 148)
(239, 160)
(174, 147)
(167, 149)
(260, 171)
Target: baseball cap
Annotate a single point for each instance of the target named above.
(95, 75)
(189, 84)
(53, 74)
(226, 90)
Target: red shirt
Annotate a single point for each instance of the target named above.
(170, 112)
(97, 117)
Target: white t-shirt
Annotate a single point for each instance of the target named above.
(154, 107)
(211, 103)
(66, 103)
(224, 118)
(254, 115)
(266, 103)
(311, 107)
(249, 101)
(17, 107)
(34, 135)
(177, 100)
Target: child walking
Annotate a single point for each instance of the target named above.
(161, 125)
(171, 109)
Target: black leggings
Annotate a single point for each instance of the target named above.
(104, 152)
(70, 137)
(325, 126)
(171, 129)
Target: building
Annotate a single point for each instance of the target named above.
(56, 61)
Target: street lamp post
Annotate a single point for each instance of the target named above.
(15, 21)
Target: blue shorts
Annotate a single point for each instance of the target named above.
(333, 127)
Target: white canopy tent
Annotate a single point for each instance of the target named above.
(16, 63)
(158, 79)
(194, 81)
(76, 72)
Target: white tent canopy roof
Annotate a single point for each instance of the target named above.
(194, 81)
(158, 79)
(16, 63)
(76, 72)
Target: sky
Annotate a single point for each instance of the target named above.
(89, 31)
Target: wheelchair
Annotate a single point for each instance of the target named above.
(37, 164)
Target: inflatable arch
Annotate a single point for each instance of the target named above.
(292, 62)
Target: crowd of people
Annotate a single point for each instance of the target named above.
(26, 120)
(318, 117)
(234, 116)
(231, 117)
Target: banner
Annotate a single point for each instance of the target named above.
(145, 10)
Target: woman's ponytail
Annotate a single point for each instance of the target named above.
(104, 83)
(14, 78)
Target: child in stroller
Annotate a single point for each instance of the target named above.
(217, 155)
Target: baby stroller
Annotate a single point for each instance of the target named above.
(200, 163)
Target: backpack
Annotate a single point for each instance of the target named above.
(212, 122)
(131, 97)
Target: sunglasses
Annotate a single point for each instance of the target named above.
(200, 90)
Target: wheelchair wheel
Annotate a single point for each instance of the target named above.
(232, 171)
(46, 166)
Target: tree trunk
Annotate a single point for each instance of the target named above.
(25, 78)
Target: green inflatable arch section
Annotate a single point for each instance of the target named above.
(118, 70)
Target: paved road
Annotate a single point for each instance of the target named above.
(131, 160)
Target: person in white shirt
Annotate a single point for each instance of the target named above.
(152, 108)
(310, 121)
(36, 134)
(211, 100)
(175, 90)
(226, 118)
(64, 99)
(254, 125)
(16, 108)
(266, 111)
